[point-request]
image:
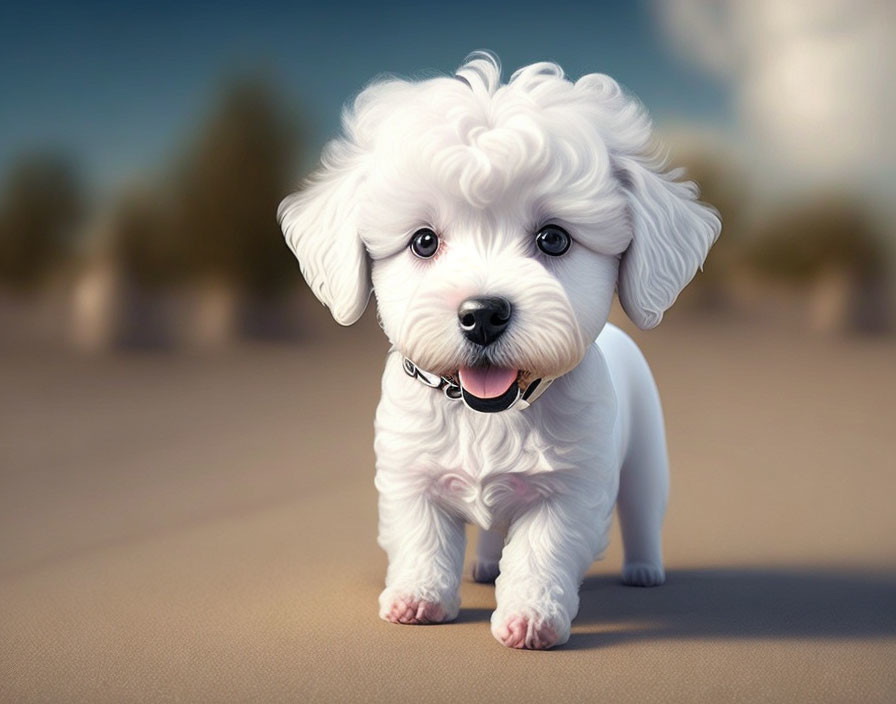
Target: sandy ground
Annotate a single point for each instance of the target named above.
(177, 528)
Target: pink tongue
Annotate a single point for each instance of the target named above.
(487, 382)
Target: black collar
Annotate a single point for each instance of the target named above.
(452, 389)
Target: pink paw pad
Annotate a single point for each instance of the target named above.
(415, 612)
(525, 633)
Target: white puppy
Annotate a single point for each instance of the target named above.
(494, 222)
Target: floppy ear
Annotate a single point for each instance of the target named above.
(320, 226)
(671, 234)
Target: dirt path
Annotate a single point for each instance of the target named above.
(203, 529)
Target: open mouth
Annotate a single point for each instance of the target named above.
(490, 389)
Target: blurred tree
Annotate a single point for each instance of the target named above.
(40, 213)
(228, 191)
(823, 235)
(144, 242)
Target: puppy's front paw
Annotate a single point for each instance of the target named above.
(412, 611)
(643, 574)
(532, 627)
(527, 632)
(398, 607)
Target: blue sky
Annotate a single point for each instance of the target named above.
(119, 85)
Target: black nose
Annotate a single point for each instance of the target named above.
(484, 319)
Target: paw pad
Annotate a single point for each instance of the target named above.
(527, 633)
(415, 612)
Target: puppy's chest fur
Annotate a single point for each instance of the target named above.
(488, 467)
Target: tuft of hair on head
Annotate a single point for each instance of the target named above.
(481, 70)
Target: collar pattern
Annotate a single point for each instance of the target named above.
(450, 386)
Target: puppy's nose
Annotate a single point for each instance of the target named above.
(484, 319)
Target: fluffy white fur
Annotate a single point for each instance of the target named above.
(485, 165)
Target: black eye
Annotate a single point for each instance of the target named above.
(424, 243)
(553, 240)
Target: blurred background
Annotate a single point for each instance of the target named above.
(144, 150)
(166, 375)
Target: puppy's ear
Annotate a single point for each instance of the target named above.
(671, 230)
(320, 226)
(671, 235)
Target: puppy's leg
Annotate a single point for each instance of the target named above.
(425, 546)
(643, 492)
(488, 554)
(548, 550)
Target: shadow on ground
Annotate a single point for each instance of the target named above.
(738, 603)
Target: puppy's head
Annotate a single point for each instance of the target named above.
(494, 221)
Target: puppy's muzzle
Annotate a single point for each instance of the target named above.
(483, 319)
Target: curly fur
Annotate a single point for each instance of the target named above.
(486, 164)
